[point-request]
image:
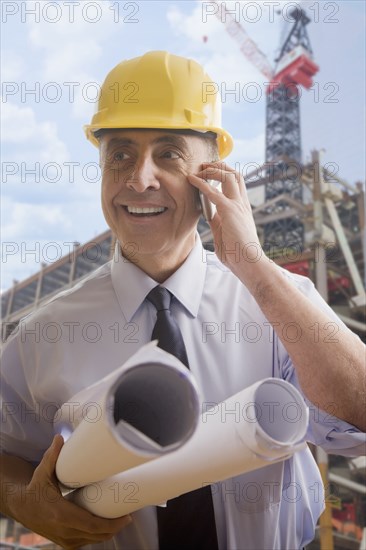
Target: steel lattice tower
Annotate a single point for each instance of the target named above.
(283, 134)
(282, 126)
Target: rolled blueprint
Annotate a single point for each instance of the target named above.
(258, 426)
(148, 407)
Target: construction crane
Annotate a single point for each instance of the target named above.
(294, 68)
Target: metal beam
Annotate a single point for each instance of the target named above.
(343, 243)
(349, 484)
(288, 213)
(352, 323)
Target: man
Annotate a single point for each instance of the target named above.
(158, 147)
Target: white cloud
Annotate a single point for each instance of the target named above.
(32, 220)
(12, 66)
(194, 26)
(85, 97)
(72, 47)
(20, 127)
(239, 81)
(32, 234)
(72, 62)
(247, 154)
(38, 169)
(31, 223)
(86, 23)
(248, 17)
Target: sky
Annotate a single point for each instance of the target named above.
(55, 55)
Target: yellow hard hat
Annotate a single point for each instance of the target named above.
(160, 90)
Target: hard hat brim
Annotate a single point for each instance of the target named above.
(225, 141)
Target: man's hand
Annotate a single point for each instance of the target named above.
(41, 508)
(233, 228)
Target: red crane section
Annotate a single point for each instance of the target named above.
(295, 68)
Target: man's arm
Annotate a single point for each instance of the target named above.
(32, 497)
(327, 370)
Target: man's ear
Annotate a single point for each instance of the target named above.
(101, 153)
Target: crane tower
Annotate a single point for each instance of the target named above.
(294, 68)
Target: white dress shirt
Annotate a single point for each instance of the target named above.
(86, 332)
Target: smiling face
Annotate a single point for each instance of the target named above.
(146, 198)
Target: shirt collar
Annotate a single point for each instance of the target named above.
(132, 285)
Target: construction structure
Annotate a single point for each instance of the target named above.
(312, 222)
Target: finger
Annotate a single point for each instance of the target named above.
(224, 166)
(100, 530)
(213, 194)
(72, 540)
(109, 526)
(215, 223)
(229, 180)
(73, 516)
(48, 463)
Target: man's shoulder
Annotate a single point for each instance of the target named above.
(85, 295)
(220, 279)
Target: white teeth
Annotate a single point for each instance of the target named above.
(136, 210)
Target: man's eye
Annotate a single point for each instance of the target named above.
(119, 156)
(171, 155)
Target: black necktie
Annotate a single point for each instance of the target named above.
(188, 521)
(166, 330)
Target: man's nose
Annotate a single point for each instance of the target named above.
(143, 176)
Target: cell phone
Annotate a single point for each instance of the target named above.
(208, 209)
